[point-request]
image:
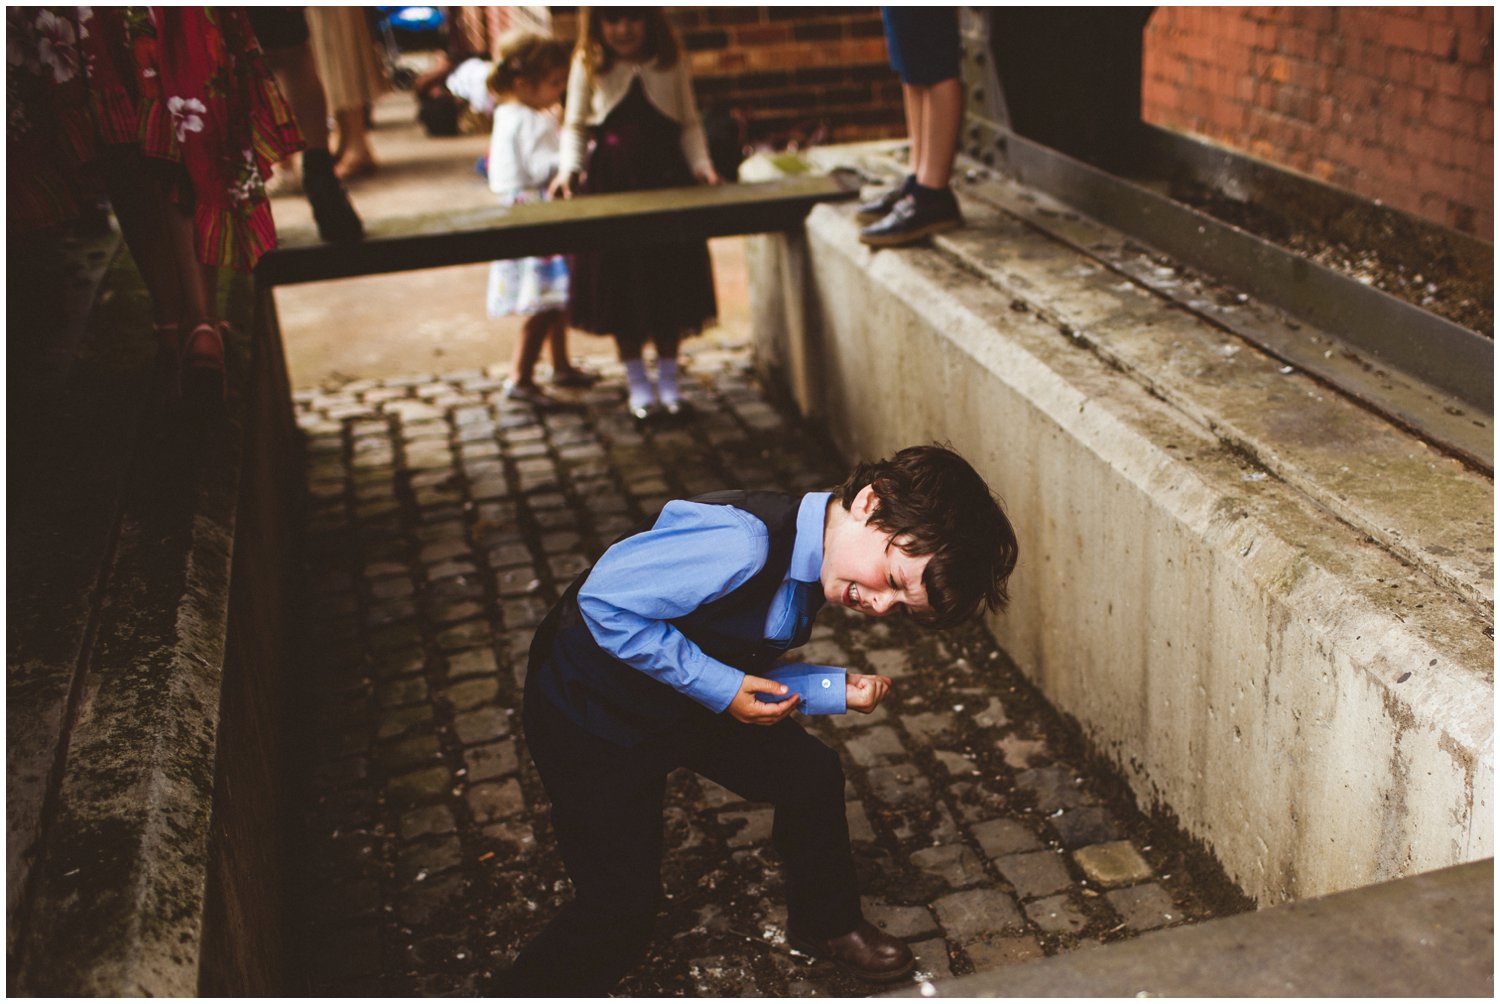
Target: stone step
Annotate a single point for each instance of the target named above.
(1429, 935)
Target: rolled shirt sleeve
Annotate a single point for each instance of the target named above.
(694, 554)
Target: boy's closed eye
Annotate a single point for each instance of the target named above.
(898, 608)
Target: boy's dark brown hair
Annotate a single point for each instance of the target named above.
(524, 55)
(933, 502)
(661, 37)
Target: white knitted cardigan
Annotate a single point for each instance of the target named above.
(590, 101)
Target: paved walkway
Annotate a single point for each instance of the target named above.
(443, 520)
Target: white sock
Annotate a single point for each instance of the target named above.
(666, 380)
(641, 391)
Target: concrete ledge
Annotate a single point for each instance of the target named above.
(1305, 700)
(120, 635)
(1430, 935)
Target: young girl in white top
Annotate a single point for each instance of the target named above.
(629, 88)
(529, 76)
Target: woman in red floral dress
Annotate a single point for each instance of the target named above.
(173, 110)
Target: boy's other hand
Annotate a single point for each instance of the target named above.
(862, 693)
(561, 187)
(745, 708)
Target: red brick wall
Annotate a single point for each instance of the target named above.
(795, 71)
(1394, 103)
(791, 73)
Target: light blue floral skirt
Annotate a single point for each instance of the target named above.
(527, 285)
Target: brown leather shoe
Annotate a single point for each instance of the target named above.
(865, 952)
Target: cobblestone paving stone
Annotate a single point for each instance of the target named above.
(443, 519)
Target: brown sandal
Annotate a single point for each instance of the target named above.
(202, 365)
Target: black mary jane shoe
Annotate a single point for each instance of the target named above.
(912, 220)
(877, 208)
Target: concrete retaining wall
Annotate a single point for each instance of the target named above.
(146, 675)
(1313, 707)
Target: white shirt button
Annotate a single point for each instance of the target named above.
(827, 683)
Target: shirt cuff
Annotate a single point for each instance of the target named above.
(820, 687)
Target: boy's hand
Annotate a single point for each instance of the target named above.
(561, 187)
(745, 708)
(862, 693)
(708, 176)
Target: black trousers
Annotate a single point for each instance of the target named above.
(607, 813)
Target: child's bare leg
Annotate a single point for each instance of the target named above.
(202, 341)
(939, 122)
(140, 205)
(911, 100)
(161, 238)
(557, 341)
(564, 373)
(522, 383)
(529, 349)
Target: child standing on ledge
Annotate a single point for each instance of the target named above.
(527, 82)
(630, 87)
(662, 656)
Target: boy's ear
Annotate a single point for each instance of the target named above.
(864, 503)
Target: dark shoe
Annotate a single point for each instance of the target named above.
(337, 221)
(576, 377)
(875, 209)
(530, 393)
(913, 219)
(865, 952)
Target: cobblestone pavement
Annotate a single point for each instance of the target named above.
(443, 520)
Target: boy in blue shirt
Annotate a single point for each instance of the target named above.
(661, 656)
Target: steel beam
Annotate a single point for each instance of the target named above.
(1434, 350)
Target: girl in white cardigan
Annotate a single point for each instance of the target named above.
(629, 91)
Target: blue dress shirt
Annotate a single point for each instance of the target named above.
(697, 553)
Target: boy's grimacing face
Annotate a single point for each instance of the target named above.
(864, 570)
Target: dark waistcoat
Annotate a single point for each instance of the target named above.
(615, 701)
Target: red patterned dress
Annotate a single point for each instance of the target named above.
(186, 85)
